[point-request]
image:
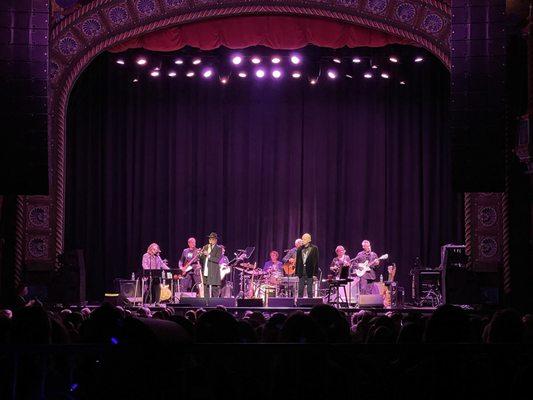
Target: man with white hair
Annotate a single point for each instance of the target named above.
(365, 283)
(292, 252)
(306, 265)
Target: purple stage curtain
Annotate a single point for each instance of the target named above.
(276, 32)
(260, 163)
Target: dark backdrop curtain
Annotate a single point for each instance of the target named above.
(260, 163)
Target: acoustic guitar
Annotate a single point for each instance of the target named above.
(289, 268)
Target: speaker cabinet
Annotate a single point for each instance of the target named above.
(221, 301)
(308, 303)
(371, 300)
(251, 303)
(284, 302)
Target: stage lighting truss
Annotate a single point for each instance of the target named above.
(271, 65)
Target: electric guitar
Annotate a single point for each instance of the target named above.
(363, 268)
(188, 266)
(224, 270)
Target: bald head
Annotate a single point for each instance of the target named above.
(306, 238)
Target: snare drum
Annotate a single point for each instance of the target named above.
(274, 278)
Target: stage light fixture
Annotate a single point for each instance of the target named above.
(368, 75)
(224, 80)
(332, 74)
(374, 66)
(402, 82)
(295, 60)
(256, 60)
(260, 73)
(384, 75)
(313, 81)
(337, 60)
(154, 73)
(393, 59)
(172, 74)
(189, 74)
(120, 61)
(276, 60)
(296, 75)
(208, 73)
(349, 76)
(243, 74)
(178, 61)
(419, 59)
(236, 60)
(141, 61)
(135, 80)
(276, 74)
(197, 61)
(356, 60)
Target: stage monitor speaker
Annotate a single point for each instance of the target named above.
(193, 301)
(221, 301)
(250, 303)
(371, 300)
(303, 302)
(284, 302)
(130, 290)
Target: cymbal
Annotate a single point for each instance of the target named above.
(256, 272)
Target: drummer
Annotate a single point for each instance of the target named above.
(273, 265)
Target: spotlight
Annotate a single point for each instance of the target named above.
(374, 66)
(178, 61)
(276, 74)
(172, 74)
(154, 73)
(224, 80)
(236, 60)
(393, 59)
(135, 80)
(384, 75)
(141, 61)
(356, 60)
(120, 61)
(337, 60)
(260, 73)
(368, 75)
(295, 60)
(208, 73)
(402, 83)
(243, 74)
(189, 74)
(296, 75)
(197, 61)
(419, 59)
(332, 74)
(256, 60)
(276, 60)
(313, 81)
(349, 76)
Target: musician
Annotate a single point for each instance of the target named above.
(273, 265)
(306, 265)
(225, 284)
(292, 252)
(152, 261)
(365, 283)
(342, 260)
(191, 279)
(210, 262)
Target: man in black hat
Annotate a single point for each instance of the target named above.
(210, 261)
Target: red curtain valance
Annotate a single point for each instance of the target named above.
(277, 32)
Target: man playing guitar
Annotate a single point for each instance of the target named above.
(191, 268)
(367, 255)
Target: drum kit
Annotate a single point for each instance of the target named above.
(258, 283)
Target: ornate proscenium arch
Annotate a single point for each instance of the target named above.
(102, 24)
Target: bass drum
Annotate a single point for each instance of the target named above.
(274, 278)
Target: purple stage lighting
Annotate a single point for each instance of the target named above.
(190, 74)
(295, 60)
(384, 75)
(172, 74)
(276, 60)
(332, 74)
(313, 81)
(135, 80)
(154, 73)
(337, 60)
(178, 61)
(197, 61)
(356, 60)
(349, 76)
(243, 74)
(296, 75)
(402, 82)
(120, 61)
(141, 61)
(374, 66)
(236, 60)
(368, 75)
(393, 59)
(256, 60)
(260, 73)
(224, 80)
(208, 73)
(419, 59)
(276, 74)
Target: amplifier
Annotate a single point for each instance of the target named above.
(371, 300)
